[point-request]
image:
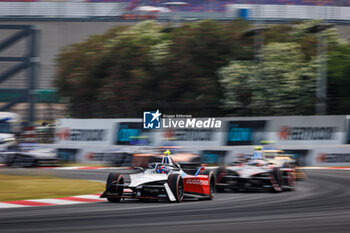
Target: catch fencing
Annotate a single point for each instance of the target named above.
(214, 10)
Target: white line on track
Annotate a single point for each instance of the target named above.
(56, 201)
(7, 205)
(80, 199)
(326, 168)
(95, 197)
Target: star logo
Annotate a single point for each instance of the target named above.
(156, 115)
(152, 120)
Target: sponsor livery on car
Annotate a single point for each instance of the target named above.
(161, 180)
(197, 182)
(268, 170)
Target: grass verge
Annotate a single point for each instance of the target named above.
(35, 187)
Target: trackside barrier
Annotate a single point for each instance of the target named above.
(314, 140)
(216, 11)
(234, 131)
(61, 9)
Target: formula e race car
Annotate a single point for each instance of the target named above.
(257, 174)
(29, 155)
(163, 180)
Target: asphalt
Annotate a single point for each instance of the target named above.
(319, 204)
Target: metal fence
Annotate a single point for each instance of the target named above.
(61, 9)
(289, 11)
(113, 9)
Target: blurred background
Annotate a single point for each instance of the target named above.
(76, 77)
(67, 60)
(101, 59)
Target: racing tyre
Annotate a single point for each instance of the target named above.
(176, 185)
(116, 190)
(291, 182)
(218, 178)
(211, 179)
(218, 172)
(276, 180)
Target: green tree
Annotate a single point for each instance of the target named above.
(148, 64)
(338, 74)
(105, 73)
(282, 83)
(79, 72)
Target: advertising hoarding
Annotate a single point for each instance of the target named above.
(307, 130)
(84, 131)
(248, 132)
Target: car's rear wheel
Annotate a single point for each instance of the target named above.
(176, 185)
(220, 172)
(291, 181)
(114, 178)
(276, 180)
(211, 179)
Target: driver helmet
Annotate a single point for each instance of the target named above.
(161, 169)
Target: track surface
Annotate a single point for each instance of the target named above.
(319, 204)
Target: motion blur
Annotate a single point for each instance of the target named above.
(113, 111)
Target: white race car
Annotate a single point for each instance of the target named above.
(163, 180)
(27, 155)
(257, 174)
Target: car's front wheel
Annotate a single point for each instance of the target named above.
(176, 185)
(113, 180)
(211, 179)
